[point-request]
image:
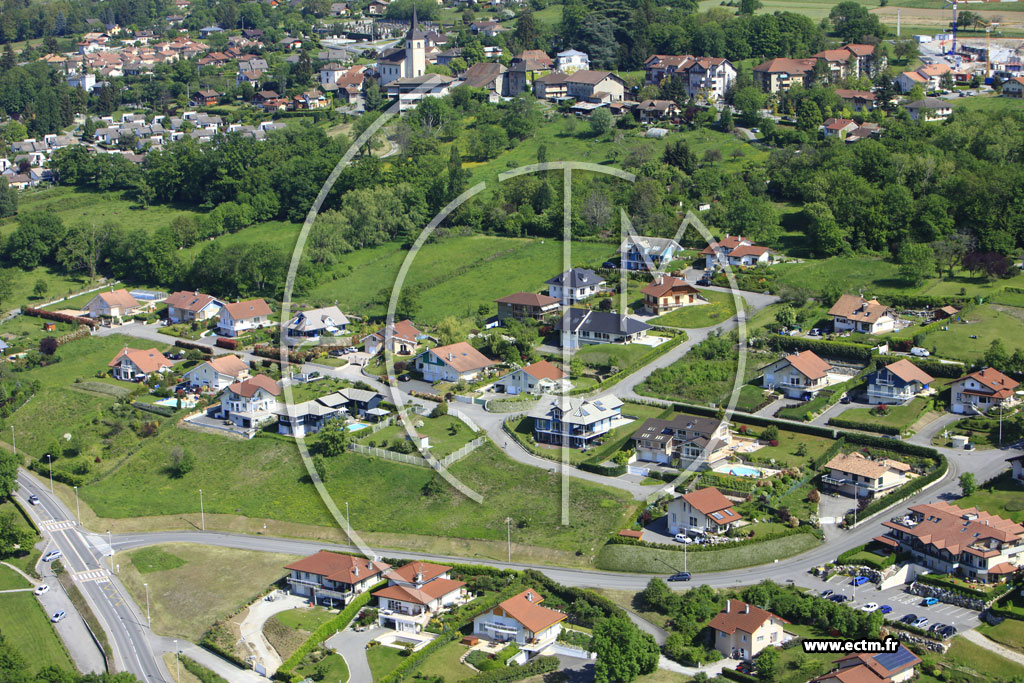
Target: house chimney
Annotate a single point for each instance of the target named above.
(728, 606)
(419, 577)
(355, 570)
(746, 608)
(529, 596)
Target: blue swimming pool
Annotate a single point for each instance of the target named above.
(742, 471)
(356, 426)
(170, 401)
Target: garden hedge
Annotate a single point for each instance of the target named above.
(200, 671)
(822, 347)
(906, 490)
(59, 317)
(733, 674)
(654, 353)
(625, 540)
(865, 426)
(537, 667)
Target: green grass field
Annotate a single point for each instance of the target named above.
(439, 431)
(896, 416)
(1009, 633)
(991, 102)
(784, 455)
(307, 619)
(629, 558)
(27, 628)
(965, 661)
(615, 355)
(969, 341)
(383, 660)
(337, 670)
(155, 559)
(445, 664)
(722, 306)
(1002, 497)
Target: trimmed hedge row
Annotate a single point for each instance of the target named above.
(192, 346)
(59, 317)
(865, 426)
(325, 631)
(654, 353)
(734, 675)
(932, 367)
(166, 411)
(906, 490)
(625, 540)
(200, 671)
(537, 667)
(895, 445)
(823, 347)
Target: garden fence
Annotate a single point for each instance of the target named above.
(415, 458)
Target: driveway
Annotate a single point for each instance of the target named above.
(352, 646)
(252, 627)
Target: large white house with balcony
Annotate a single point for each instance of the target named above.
(523, 620)
(856, 475)
(981, 391)
(415, 593)
(333, 576)
(952, 540)
(575, 422)
(897, 383)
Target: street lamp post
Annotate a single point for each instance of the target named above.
(684, 556)
(348, 524)
(508, 526)
(202, 513)
(78, 508)
(149, 621)
(49, 461)
(177, 665)
(110, 547)
(14, 443)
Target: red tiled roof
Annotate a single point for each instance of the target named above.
(229, 364)
(710, 500)
(461, 357)
(747, 250)
(908, 372)
(944, 527)
(421, 596)
(1001, 385)
(666, 284)
(250, 386)
(785, 65)
(118, 298)
(428, 570)
(858, 308)
(188, 301)
(543, 370)
(742, 616)
(150, 360)
(528, 299)
(338, 567)
(241, 310)
(526, 609)
(809, 364)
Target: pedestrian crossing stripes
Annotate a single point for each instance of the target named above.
(92, 575)
(56, 524)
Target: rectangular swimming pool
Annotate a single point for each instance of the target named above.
(356, 426)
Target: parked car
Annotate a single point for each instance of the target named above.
(815, 332)
(745, 668)
(33, 499)
(948, 632)
(869, 607)
(704, 281)
(845, 398)
(680, 576)
(43, 588)
(51, 556)
(827, 592)
(928, 602)
(837, 597)
(937, 626)
(920, 352)
(909, 619)
(885, 609)
(404, 378)
(336, 353)
(609, 264)
(859, 580)
(682, 538)
(58, 616)
(921, 622)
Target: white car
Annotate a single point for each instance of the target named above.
(870, 607)
(682, 538)
(42, 589)
(920, 352)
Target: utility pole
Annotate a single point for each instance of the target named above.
(110, 546)
(149, 622)
(14, 444)
(202, 513)
(49, 461)
(77, 507)
(508, 526)
(177, 665)
(348, 524)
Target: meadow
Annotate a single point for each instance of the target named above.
(721, 306)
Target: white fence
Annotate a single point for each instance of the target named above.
(415, 458)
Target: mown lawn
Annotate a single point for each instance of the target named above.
(1009, 633)
(337, 670)
(447, 434)
(965, 661)
(896, 416)
(305, 618)
(383, 660)
(445, 664)
(722, 306)
(969, 341)
(629, 558)
(785, 454)
(1003, 497)
(26, 628)
(612, 355)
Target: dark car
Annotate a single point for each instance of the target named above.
(745, 668)
(948, 632)
(837, 598)
(827, 592)
(681, 576)
(705, 281)
(909, 619)
(609, 264)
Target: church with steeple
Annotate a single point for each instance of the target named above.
(406, 62)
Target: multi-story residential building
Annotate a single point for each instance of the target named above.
(415, 593)
(929, 109)
(522, 620)
(982, 391)
(452, 363)
(570, 61)
(856, 314)
(242, 316)
(647, 253)
(668, 293)
(856, 475)
(575, 422)
(742, 630)
(781, 73)
(251, 402)
(682, 440)
(585, 84)
(704, 511)
(798, 375)
(217, 373)
(707, 78)
(333, 576)
(948, 539)
(897, 383)
(857, 100)
(526, 306)
(401, 338)
(575, 285)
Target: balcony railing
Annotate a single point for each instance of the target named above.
(846, 482)
(319, 589)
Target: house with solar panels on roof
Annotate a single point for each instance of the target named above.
(575, 422)
(884, 667)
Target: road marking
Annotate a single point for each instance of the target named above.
(92, 575)
(56, 524)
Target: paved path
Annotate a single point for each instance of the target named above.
(352, 646)
(711, 670)
(251, 628)
(993, 646)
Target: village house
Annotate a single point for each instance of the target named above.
(217, 373)
(656, 110)
(929, 109)
(489, 76)
(333, 576)
(885, 667)
(647, 253)
(575, 422)
(982, 391)
(856, 475)
(1017, 467)
(569, 61)
(967, 542)
(309, 326)
(409, 61)
(856, 314)
(359, 402)
(242, 316)
(308, 417)
(781, 73)
(839, 63)
(526, 68)
(838, 128)
(452, 363)
(521, 620)
(707, 78)
(486, 28)
(897, 383)
(585, 84)
(668, 293)
(704, 511)
(116, 304)
(415, 593)
(683, 438)
(857, 100)
(934, 73)
(136, 365)
(250, 402)
(799, 375)
(1014, 87)
(537, 378)
(553, 86)
(412, 90)
(945, 313)
(742, 630)
(574, 285)
(526, 306)
(906, 81)
(579, 327)
(186, 307)
(401, 338)
(735, 250)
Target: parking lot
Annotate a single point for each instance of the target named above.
(902, 603)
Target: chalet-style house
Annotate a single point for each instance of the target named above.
(885, 667)
(857, 100)
(858, 476)
(682, 440)
(982, 391)
(945, 313)
(838, 128)
(668, 293)
(537, 378)
(799, 375)
(452, 363)
(309, 326)
(574, 422)
(968, 542)
(570, 61)
(656, 110)
(735, 250)
(742, 630)
(856, 314)
(217, 373)
(116, 304)
(415, 593)
(574, 285)
(333, 576)
(897, 383)
(187, 307)
(647, 253)
(523, 620)
(526, 306)
(704, 511)
(401, 338)
(249, 403)
(136, 365)
(1014, 87)
(579, 327)
(242, 316)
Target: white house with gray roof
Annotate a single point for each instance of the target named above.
(309, 326)
(575, 285)
(575, 422)
(579, 327)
